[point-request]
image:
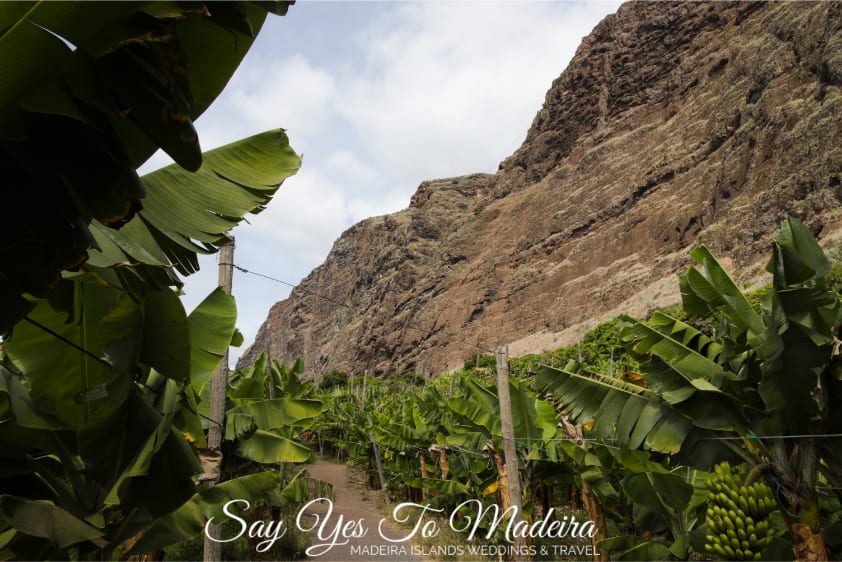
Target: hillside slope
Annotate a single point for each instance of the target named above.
(673, 124)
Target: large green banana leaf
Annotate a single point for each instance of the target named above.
(212, 325)
(17, 406)
(270, 448)
(48, 521)
(791, 346)
(276, 413)
(141, 462)
(187, 213)
(96, 345)
(397, 436)
(715, 290)
(190, 518)
(145, 470)
(54, 35)
(79, 387)
(86, 96)
(681, 369)
(631, 416)
(670, 501)
(534, 420)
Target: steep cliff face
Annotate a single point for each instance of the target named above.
(674, 124)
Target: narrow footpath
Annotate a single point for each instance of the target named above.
(355, 511)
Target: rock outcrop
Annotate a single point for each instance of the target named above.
(674, 124)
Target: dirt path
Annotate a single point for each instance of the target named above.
(352, 506)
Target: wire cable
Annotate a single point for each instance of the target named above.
(68, 342)
(467, 345)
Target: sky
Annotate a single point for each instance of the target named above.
(377, 96)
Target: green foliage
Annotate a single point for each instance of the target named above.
(524, 365)
(290, 546)
(86, 97)
(334, 379)
(601, 348)
(477, 361)
(834, 278)
(771, 373)
(409, 379)
(691, 387)
(261, 441)
(101, 387)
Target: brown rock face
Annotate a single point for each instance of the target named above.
(674, 124)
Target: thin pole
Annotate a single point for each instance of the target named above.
(377, 459)
(219, 386)
(507, 428)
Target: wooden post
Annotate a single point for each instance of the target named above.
(377, 460)
(218, 390)
(424, 476)
(507, 428)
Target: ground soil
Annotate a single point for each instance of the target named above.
(353, 503)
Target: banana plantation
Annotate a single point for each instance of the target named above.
(715, 443)
(714, 433)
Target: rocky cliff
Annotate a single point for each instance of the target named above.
(674, 124)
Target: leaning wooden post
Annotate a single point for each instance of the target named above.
(218, 391)
(509, 449)
(377, 459)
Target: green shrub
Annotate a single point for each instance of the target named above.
(334, 379)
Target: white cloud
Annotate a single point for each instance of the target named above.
(290, 93)
(303, 218)
(451, 88)
(267, 93)
(365, 207)
(348, 167)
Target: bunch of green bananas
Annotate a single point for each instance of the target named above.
(737, 515)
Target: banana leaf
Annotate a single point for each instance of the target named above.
(269, 448)
(272, 414)
(43, 519)
(86, 97)
(211, 328)
(190, 518)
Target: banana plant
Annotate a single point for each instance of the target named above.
(764, 389)
(107, 366)
(86, 97)
(476, 427)
(409, 433)
(261, 431)
(69, 381)
(668, 504)
(344, 428)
